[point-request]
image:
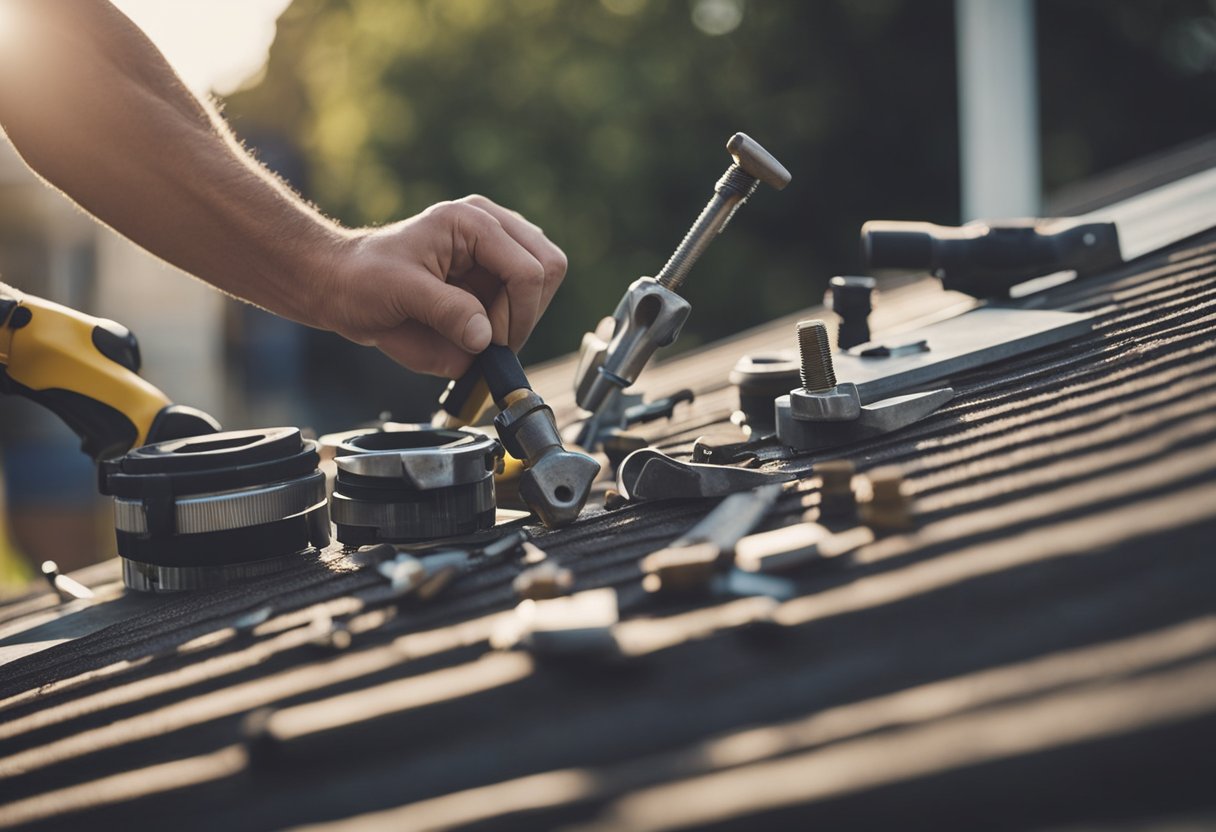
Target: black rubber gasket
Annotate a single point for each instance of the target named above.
(437, 512)
(385, 490)
(155, 472)
(223, 548)
(229, 449)
(406, 440)
(365, 535)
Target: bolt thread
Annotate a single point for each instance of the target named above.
(731, 191)
(815, 352)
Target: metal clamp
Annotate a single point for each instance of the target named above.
(442, 457)
(413, 484)
(226, 510)
(652, 313)
(648, 474)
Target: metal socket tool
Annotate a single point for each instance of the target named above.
(557, 481)
(210, 511)
(652, 313)
(760, 378)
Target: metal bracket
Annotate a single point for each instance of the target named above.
(973, 339)
(648, 474)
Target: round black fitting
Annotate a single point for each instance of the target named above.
(851, 299)
(760, 378)
(225, 473)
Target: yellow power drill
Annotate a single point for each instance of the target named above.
(85, 370)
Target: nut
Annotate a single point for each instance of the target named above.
(836, 404)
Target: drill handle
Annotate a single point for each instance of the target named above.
(85, 370)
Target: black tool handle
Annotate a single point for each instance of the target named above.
(464, 396)
(985, 259)
(502, 371)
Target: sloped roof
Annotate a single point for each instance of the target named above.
(1038, 652)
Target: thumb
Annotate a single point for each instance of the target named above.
(454, 313)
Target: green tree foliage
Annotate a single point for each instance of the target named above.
(604, 121)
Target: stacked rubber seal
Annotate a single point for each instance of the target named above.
(415, 483)
(212, 510)
(760, 379)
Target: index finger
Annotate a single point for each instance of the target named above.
(490, 246)
(531, 237)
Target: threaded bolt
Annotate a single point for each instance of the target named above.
(889, 507)
(815, 352)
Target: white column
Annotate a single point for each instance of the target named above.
(998, 109)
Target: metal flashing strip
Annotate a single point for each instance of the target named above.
(1153, 220)
(973, 339)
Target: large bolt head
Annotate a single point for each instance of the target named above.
(755, 160)
(836, 404)
(557, 486)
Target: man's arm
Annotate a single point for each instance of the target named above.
(95, 109)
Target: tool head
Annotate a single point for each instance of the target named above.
(758, 162)
(649, 316)
(893, 244)
(650, 474)
(557, 485)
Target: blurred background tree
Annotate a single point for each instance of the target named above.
(604, 122)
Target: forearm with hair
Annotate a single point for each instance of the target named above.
(95, 109)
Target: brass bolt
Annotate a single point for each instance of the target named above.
(836, 497)
(548, 580)
(815, 354)
(889, 507)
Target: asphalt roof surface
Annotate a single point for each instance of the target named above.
(1039, 653)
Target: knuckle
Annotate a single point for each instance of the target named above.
(444, 212)
(555, 265)
(478, 201)
(467, 218)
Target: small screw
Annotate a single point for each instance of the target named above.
(836, 497)
(614, 499)
(68, 589)
(815, 353)
(889, 507)
(548, 580)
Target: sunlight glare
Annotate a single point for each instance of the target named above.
(215, 45)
